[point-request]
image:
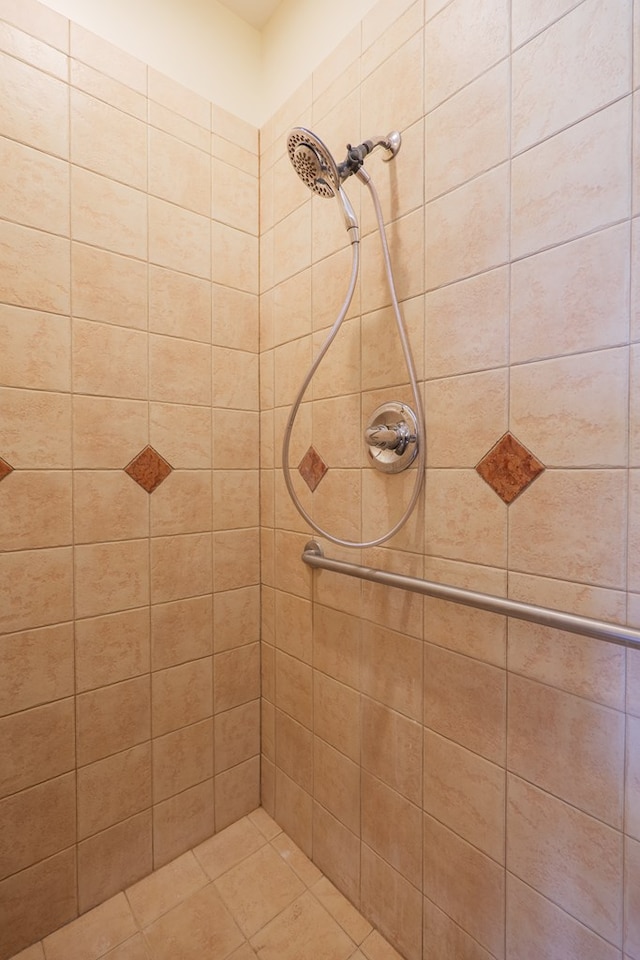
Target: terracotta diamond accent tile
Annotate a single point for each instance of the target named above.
(5, 469)
(148, 469)
(509, 468)
(312, 468)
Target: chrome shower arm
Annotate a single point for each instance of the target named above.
(356, 155)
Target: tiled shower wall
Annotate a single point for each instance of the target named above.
(129, 620)
(471, 783)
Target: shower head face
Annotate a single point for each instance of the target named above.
(313, 162)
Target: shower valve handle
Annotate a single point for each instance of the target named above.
(395, 437)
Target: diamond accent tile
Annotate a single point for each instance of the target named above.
(148, 469)
(312, 468)
(509, 468)
(5, 469)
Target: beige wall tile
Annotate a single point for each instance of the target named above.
(180, 631)
(173, 95)
(181, 822)
(37, 745)
(590, 79)
(236, 618)
(237, 735)
(35, 429)
(179, 172)
(464, 630)
(336, 637)
(392, 94)
(579, 665)
(234, 197)
(336, 784)
(337, 852)
(113, 789)
(336, 716)
(236, 499)
(446, 939)
(634, 412)
(469, 133)
(466, 793)
(235, 379)
(235, 258)
(37, 823)
(466, 884)
(237, 792)
(632, 807)
(108, 506)
(568, 746)
(25, 254)
(109, 360)
(534, 924)
(35, 510)
(479, 211)
(182, 433)
(179, 371)
(236, 677)
(107, 141)
(554, 200)
(108, 214)
(36, 349)
(111, 577)
(460, 44)
(399, 611)
(392, 903)
(182, 759)
(567, 856)
(292, 244)
(465, 519)
(235, 318)
(112, 719)
(113, 859)
(179, 305)
(545, 591)
(236, 562)
(111, 648)
(294, 688)
(578, 414)
(571, 298)
(406, 239)
(632, 872)
(182, 504)
(107, 58)
(483, 300)
(34, 188)
(556, 530)
(179, 239)
(392, 749)
(35, 667)
(633, 572)
(36, 108)
(38, 21)
(635, 280)
(392, 827)
(466, 415)
(457, 691)
(181, 695)
(391, 670)
(98, 84)
(108, 287)
(39, 900)
(293, 811)
(41, 588)
(180, 567)
(532, 16)
(294, 626)
(229, 847)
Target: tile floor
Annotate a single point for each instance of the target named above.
(247, 893)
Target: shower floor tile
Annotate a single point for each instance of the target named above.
(247, 893)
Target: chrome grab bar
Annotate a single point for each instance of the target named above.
(571, 622)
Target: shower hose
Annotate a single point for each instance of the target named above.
(406, 349)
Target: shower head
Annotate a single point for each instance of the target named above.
(313, 162)
(317, 169)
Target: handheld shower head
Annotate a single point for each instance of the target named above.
(317, 169)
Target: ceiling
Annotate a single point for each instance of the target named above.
(255, 12)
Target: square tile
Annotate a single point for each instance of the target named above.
(304, 931)
(258, 889)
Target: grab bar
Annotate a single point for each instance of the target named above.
(599, 629)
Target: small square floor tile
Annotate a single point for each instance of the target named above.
(304, 931)
(164, 888)
(229, 847)
(258, 889)
(199, 927)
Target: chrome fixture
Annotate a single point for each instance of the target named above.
(313, 556)
(397, 438)
(392, 437)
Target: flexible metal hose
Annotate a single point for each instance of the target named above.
(406, 349)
